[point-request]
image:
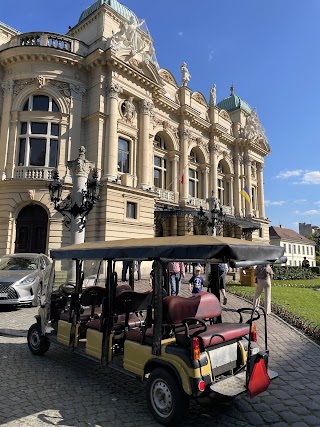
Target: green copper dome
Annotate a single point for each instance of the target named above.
(114, 4)
(234, 102)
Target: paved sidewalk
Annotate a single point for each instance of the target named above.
(69, 390)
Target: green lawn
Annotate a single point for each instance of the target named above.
(299, 298)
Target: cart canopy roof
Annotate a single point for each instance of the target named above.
(178, 248)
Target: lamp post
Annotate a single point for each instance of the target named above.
(214, 218)
(77, 205)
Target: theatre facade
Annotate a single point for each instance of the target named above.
(161, 148)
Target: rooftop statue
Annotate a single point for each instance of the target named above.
(128, 37)
(186, 76)
(213, 96)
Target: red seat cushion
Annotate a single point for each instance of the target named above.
(94, 324)
(228, 332)
(203, 305)
(136, 335)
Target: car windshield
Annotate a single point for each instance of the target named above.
(18, 263)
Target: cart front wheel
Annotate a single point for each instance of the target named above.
(37, 344)
(166, 399)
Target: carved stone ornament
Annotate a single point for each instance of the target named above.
(7, 87)
(62, 87)
(80, 166)
(41, 81)
(128, 37)
(128, 109)
(146, 107)
(114, 90)
(213, 146)
(185, 133)
(199, 98)
(31, 194)
(167, 77)
(77, 90)
(253, 127)
(21, 84)
(225, 115)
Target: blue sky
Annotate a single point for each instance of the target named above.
(269, 49)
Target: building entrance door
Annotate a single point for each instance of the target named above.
(31, 230)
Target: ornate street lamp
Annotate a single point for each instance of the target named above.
(85, 193)
(214, 218)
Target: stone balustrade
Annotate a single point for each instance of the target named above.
(165, 194)
(29, 172)
(53, 40)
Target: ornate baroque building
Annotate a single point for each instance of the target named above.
(160, 148)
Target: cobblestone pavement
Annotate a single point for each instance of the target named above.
(63, 389)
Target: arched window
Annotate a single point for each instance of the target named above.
(160, 178)
(39, 133)
(223, 185)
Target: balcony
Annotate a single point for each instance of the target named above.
(29, 172)
(165, 194)
(53, 40)
(193, 201)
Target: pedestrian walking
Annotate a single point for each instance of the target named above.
(222, 272)
(176, 272)
(264, 275)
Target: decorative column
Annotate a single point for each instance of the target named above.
(174, 159)
(213, 186)
(111, 141)
(7, 88)
(184, 164)
(249, 185)
(80, 169)
(260, 190)
(204, 181)
(145, 150)
(237, 184)
(231, 201)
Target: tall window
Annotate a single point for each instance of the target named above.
(123, 155)
(193, 183)
(39, 134)
(221, 190)
(131, 210)
(159, 172)
(160, 177)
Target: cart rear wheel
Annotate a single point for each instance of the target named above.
(166, 399)
(37, 344)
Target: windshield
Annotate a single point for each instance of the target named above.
(18, 263)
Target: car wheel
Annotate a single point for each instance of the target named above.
(166, 399)
(37, 344)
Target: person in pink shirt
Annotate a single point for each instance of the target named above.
(176, 272)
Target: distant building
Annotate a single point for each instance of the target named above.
(296, 246)
(308, 229)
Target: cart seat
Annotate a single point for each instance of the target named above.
(137, 336)
(202, 306)
(85, 316)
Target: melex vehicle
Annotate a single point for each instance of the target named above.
(179, 346)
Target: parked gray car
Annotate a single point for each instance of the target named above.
(22, 277)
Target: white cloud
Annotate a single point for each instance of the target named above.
(309, 212)
(298, 201)
(211, 55)
(289, 174)
(180, 33)
(274, 203)
(312, 177)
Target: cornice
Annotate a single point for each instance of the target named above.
(39, 53)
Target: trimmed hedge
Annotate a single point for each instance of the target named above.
(292, 273)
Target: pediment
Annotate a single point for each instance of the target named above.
(197, 96)
(167, 76)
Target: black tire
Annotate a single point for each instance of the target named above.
(166, 399)
(37, 344)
